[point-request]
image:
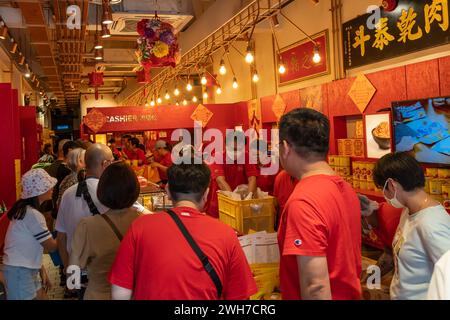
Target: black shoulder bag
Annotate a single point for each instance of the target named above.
(200, 254)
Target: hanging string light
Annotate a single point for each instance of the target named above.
(249, 58)
(235, 83)
(255, 77)
(167, 96)
(222, 69)
(105, 31)
(152, 103)
(219, 90)
(27, 71)
(281, 67)
(194, 99)
(185, 102)
(107, 13)
(189, 86)
(177, 103)
(205, 95)
(159, 100)
(176, 92)
(317, 58)
(98, 54)
(204, 81)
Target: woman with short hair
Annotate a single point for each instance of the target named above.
(423, 234)
(75, 162)
(98, 237)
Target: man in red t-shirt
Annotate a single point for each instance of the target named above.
(283, 187)
(230, 174)
(155, 261)
(126, 146)
(320, 229)
(137, 153)
(165, 159)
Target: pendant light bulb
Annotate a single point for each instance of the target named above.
(282, 68)
(194, 99)
(317, 58)
(184, 102)
(176, 92)
(105, 31)
(107, 15)
(159, 100)
(219, 91)
(189, 87)
(152, 103)
(204, 81)
(222, 69)
(167, 96)
(255, 77)
(249, 58)
(235, 83)
(205, 95)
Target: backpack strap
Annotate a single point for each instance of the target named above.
(82, 190)
(200, 254)
(113, 226)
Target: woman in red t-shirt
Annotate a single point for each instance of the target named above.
(163, 150)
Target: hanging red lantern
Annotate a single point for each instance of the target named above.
(389, 5)
(96, 80)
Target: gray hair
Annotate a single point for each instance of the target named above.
(73, 158)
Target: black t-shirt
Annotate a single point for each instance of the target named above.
(58, 170)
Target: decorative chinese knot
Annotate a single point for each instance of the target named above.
(157, 44)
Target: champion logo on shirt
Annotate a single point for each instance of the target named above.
(186, 214)
(298, 242)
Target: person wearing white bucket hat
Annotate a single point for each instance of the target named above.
(27, 237)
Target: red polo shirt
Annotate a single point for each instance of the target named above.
(235, 175)
(322, 218)
(166, 161)
(283, 187)
(128, 153)
(157, 263)
(139, 155)
(265, 181)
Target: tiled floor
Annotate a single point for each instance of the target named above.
(56, 292)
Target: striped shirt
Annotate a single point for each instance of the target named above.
(23, 240)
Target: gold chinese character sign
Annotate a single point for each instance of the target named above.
(413, 26)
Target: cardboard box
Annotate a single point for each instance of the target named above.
(359, 129)
(341, 147)
(358, 147)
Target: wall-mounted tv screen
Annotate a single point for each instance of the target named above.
(422, 128)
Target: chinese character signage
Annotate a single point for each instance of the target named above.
(298, 60)
(412, 26)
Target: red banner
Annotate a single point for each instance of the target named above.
(128, 119)
(298, 60)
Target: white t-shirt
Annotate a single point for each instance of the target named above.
(72, 209)
(440, 282)
(23, 240)
(420, 241)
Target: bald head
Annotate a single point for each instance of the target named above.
(95, 157)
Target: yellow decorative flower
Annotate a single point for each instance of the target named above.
(160, 49)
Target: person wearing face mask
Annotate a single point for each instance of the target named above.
(423, 234)
(234, 170)
(155, 261)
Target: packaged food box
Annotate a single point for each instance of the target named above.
(363, 184)
(341, 147)
(356, 184)
(348, 147)
(369, 171)
(431, 172)
(344, 161)
(363, 175)
(357, 170)
(445, 191)
(435, 186)
(359, 129)
(370, 186)
(427, 185)
(345, 171)
(331, 160)
(358, 147)
(443, 173)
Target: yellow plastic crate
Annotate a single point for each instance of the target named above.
(246, 215)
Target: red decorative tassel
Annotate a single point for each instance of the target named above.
(390, 5)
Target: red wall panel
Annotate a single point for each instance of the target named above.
(422, 80)
(444, 76)
(390, 85)
(29, 131)
(339, 103)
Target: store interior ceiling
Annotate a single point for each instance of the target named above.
(61, 59)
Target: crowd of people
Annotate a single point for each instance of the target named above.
(84, 206)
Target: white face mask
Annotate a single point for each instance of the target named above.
(394, 201)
